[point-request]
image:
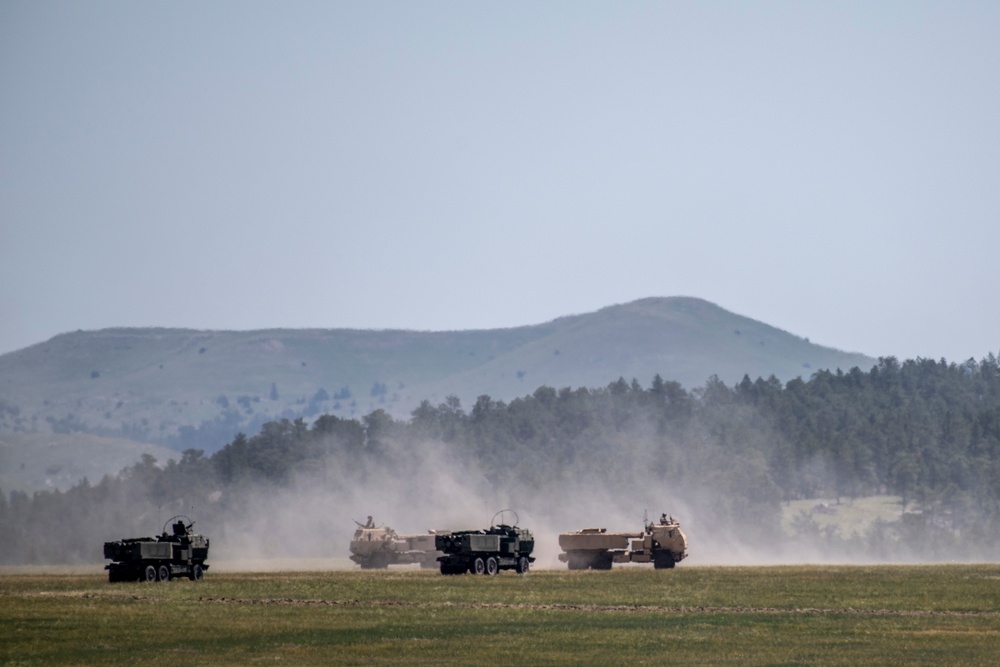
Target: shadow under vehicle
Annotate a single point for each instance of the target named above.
(663, 544)
(160, 558)
(502, 546)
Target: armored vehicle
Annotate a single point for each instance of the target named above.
(663, 544)
(502, 546)
(377, 547)
(159, 558)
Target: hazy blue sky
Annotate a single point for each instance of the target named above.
(832, 169)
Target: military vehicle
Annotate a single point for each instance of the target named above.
(159, 558)
(663, 544)
(502, 546)
(377, 547)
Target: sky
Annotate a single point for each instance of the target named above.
(828, 168)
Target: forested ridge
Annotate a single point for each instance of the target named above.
(191, 389)
(927, 431)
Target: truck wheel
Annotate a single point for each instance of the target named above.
(197, 573)
(163, 574)
(478, 566)
(522, 565)
(149, 573)
(491, 566)
(663, 561)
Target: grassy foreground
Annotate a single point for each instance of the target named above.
(884, 615)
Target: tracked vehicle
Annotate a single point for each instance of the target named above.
(161, 558)
(502, 546)
(377, 547)
(663, 544)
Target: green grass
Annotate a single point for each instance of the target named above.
(715, 616)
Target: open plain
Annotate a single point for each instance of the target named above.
(792, 615)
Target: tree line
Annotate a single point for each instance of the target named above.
(926, 431)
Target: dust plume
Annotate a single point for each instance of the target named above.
(308, 524)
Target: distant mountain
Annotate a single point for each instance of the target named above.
(185, 387)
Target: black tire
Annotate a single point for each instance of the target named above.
(663, 561)
(478, 566)
(523, 565)
(163, 573)
(197, 572)
(377, 561)
(149, 573)
(492, 567)
(603, 562)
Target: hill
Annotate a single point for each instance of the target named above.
(185, 387)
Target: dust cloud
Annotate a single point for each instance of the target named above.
(308, 524)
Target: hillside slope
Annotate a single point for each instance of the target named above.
(153, 384)
(682, 339)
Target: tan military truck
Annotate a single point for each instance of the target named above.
(663, 544)
(377, 547)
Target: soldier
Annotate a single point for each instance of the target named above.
(371, 522)
(663, 519)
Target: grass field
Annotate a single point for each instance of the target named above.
(880, 615)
